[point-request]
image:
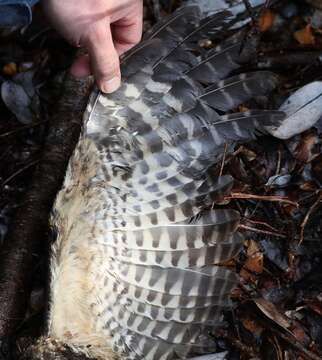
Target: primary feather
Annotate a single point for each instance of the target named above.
(135, 264)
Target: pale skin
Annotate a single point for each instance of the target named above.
(106, 28)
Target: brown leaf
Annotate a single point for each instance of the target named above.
(305, 36)
(266, 20)
(243, 108)
(271, 311)
(247, 275)
(300, 334)
(10, 69)
(315, 306)
(317, 167)
(252, 326)
(308, 186)
(249, 154)
(306, 148)
(255, 259)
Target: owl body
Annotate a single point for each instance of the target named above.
(135, 266)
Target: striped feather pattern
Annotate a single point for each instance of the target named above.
(138, 248)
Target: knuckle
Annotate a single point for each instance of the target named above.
(108, 67)
(94, 34)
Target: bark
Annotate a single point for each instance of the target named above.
(29, 229)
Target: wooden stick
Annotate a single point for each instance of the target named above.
(237, 195)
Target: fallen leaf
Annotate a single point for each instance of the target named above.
(266, 20)
(206, 43)
(247, 275)
(271, 311)
(249, 154)
(10, 69)
(299, 334)
(252, 326)
(243, 108)
(303, 109)
(255, 259)
(308, 186)
(315, 306)
(305, 36)
(307, 148)
(20, 96)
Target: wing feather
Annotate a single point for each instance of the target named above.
(137, 194)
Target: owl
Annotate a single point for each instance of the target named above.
(136, 266)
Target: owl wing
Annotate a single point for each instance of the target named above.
(154, 142)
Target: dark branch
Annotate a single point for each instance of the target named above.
(29, 228)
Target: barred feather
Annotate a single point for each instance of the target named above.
(138, 251)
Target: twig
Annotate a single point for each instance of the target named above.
(223, 160)
(232, 155)
(29, 126)
(261, 223)
(262, 198)
(298, 346)
(236, 343)
(241, 226)
(307, 216)
(18, 172)
(279, 159)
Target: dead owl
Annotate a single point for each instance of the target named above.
(133, 265)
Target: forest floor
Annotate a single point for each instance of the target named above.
(277, 311)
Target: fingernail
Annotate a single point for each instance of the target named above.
(109, 86)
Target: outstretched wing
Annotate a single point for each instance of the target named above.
(147, 190)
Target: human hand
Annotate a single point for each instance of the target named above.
(106, 28)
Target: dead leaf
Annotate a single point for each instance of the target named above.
(10, 69)
(21, 98)
(266, 20)
(307, 148)
(305, 36)
(315, 306)
(255, 259)
(252, 326)
(299, 334)
(248, 153)
(206, 43)
(243, 108)
(247, 275)
(308, 186)
(271, 311)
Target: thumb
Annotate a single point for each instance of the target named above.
(104, 58)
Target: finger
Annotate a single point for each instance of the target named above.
(127, 31)
(103, 57)
(81, 67)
